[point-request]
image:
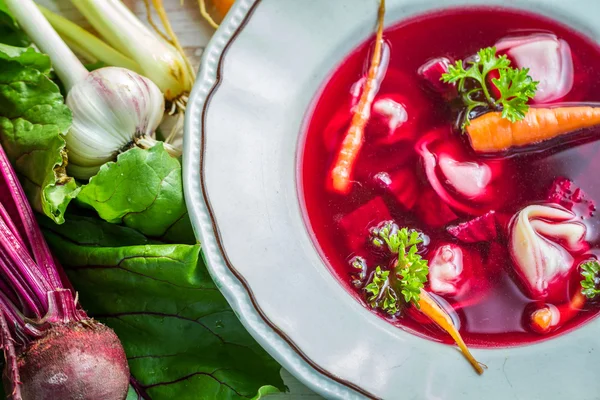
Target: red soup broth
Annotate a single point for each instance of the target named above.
(499, 315)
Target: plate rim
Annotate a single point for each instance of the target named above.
(232, 284)
(289, 355)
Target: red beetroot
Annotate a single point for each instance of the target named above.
(402, 185)
(565, 193)
(356, 225)
(433, 211)
(480, 229)
(432, 72)
(53, 350)
(78, 360)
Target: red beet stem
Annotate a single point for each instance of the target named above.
(11, 373)
(35, 240)
(20, 270)
(52, 349)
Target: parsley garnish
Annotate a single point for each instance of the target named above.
(590, 270)
(382, 295)
(515, 86)
(390, 290)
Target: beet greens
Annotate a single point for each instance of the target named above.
(51, 347)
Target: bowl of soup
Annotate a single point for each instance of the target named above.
(376, 189)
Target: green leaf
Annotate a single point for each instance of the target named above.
(33, 122)
(9, 30)
(265, 391)
(143, 190)
(590, 272)
(182, 339)
(515, 86)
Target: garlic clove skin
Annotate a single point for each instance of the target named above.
(542, 240)
(112, 108)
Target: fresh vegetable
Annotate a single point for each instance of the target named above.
(590, 272)
(550, 317)
(33, 122)
(481, 229)
(514, 86)
(144, 191)
(113, 108)
(565, 193)
(403, 285)
(151, 293)
(491, 132)
(429, 307)
(9, 30)
(161, 59)
(543, 242)
(341, 171)
(410, 270)
(87, 45)
(49, 342)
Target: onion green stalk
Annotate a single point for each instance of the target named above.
(159, 59)
(87, 45)
(113, 108)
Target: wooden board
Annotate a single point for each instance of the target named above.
(194, 34)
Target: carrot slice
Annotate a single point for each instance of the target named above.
(344, 163)
(492, 133)
(543, 320)
(429, 307)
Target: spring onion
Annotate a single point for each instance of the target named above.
(160, 59)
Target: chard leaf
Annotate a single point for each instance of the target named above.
(33, 122)
(182, 339)
(143, 190)
(9, 30)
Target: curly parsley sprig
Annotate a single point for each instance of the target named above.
(388, 290)
(590, 272)
(514, 85)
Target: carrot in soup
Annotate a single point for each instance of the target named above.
(429, 307)
(491, 133)
(544, 319)
(344, 164)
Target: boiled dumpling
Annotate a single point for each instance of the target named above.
(543, 240)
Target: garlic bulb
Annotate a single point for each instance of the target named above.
(542, 239)
(113, 109)
(158, 59)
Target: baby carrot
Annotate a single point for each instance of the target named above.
(492, 133)
(429, 307)
(547, 317)
(344, 163)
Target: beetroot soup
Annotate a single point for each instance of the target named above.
(481, 143)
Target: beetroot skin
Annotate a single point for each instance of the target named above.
(78, 360)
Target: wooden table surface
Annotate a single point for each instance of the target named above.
(194, 34)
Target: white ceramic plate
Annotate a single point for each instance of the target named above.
(245, 118)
